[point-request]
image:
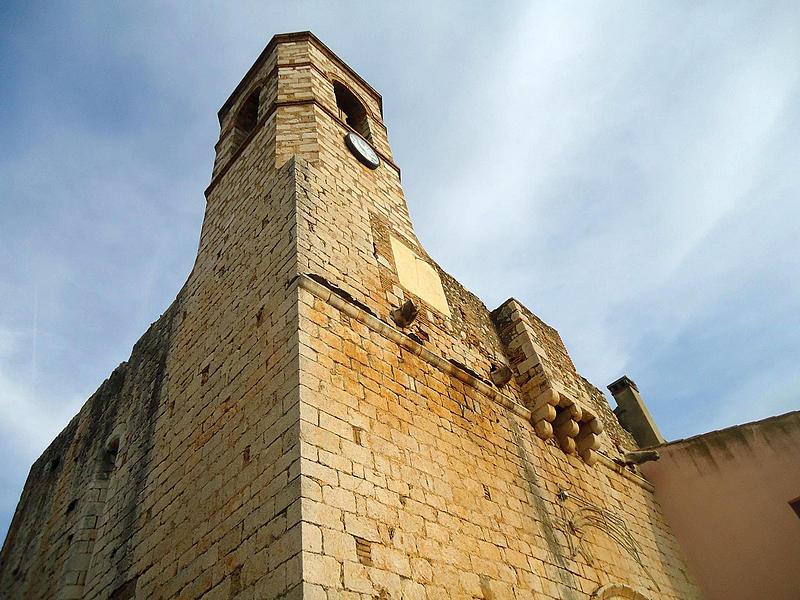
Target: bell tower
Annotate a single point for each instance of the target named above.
(300, 102)
(324, 413)
(300, 83)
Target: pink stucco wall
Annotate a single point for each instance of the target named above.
(726, 495)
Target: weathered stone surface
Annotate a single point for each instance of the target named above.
(284, 439)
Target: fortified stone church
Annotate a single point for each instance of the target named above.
(324, 413)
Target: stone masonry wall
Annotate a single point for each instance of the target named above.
(204, 499)
(402, 462)
(274, 435)
(417, 485)
(55, 525)
(346, 215)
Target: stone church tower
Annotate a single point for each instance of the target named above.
(324, 413)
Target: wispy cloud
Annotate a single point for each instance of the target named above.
(607, 162)
(28, 420)
(628, 171)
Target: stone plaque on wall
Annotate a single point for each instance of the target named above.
(418, 277)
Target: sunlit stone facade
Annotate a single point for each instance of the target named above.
(280, 432)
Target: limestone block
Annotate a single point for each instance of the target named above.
(563, 416)
(356, 577)
(564, 399)
(567, 444)
(567, 428)
(321, 569)
(361, 527)
(530, 362)
(546, 412)
(590, 457)
(500, 375)
(593, 425)
(340, 545)
(548, 396)
(544, 430)
(418, 277)
(588, 442)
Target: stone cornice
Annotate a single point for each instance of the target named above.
(387, 331)
(293, 37)
(311, 101)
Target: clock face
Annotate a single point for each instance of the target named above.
(362, 150)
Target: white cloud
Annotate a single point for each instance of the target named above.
(29, 419)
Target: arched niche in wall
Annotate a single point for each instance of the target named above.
(617, 591)
(110, 455)
(83, 537)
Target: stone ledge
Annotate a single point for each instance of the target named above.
(415, 348)
(383, 328)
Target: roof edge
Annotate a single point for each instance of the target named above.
(715, 432)
(293, 37)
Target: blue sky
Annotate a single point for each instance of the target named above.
(629, 171)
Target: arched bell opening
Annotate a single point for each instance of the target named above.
(352, 111)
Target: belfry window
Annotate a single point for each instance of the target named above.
(246, 119)
(351, 111)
